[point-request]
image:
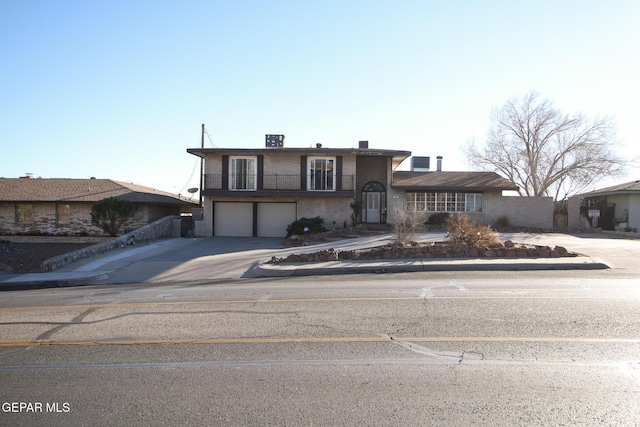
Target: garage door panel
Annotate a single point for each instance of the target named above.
(233, 219)
(273, 218)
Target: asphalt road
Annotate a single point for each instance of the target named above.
(476, 348)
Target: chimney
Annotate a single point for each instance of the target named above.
(363, 144)
(318, 145)
(439, 163)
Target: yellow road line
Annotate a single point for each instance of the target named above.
(315, 340)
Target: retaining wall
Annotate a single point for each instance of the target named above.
(166, 227)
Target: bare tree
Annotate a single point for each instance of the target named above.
(546, 152)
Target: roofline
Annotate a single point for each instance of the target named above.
(397, 155)
(609, 193)
(451, 188)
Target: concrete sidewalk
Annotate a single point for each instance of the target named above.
(217, 258)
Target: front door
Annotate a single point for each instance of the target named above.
(373, 207)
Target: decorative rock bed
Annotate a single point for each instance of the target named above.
(507, 249)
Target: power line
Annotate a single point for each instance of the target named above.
(209, 136)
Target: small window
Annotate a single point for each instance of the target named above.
(24, 214)
(242, 173)
(63, 214)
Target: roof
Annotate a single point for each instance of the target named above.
(451, 181)
(632, 187)
(398, 156)
(81, 190)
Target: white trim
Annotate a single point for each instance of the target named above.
(247, 176)
(312, 160)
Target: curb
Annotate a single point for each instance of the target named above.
(19, 283)
(266, 269)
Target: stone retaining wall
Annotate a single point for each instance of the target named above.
(507, 249)
(165, 227)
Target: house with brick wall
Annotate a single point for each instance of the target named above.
(259, 192)
(63, 206)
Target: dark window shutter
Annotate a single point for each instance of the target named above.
(225, 172)
(338, 173)
(260, 172)
(303, 172)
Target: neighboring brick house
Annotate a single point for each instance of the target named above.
(259, 192)
(63, 206)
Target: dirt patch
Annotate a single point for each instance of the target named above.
(27, 257)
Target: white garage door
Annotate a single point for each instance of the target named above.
(233, 219)
(273, 218)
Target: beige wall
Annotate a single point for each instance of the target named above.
(330, 209)
(531, 212)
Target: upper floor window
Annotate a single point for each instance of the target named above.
(242, 173)
(322, 174)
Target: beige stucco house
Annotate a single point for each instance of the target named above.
(614, 208)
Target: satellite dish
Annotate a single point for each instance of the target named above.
(192, 190)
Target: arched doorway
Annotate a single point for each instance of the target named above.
(374, 203)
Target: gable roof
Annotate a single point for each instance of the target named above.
(81, 190)
(451, 181)
(632, 187)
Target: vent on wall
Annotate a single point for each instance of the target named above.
(420, 164)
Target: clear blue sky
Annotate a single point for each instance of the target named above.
(119, 89)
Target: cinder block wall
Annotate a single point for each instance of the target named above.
(336, 209)
(533, 212)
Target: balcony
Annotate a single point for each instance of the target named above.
(281, 185)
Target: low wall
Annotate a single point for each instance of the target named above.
(530, 212)
(165, 227)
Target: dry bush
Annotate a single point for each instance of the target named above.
(406, 224)
(463, 231)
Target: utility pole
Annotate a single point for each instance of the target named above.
(202, 166)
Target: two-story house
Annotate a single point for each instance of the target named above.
(259, 192)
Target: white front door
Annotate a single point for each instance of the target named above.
(373, 207)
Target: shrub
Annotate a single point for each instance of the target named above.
(110, 213)
(312, 225)
(502, 222)
(438, 218)
(463, 231)
(407, 224)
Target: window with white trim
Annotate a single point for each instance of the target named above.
(242, 173)
(322, 174)
(443, 202)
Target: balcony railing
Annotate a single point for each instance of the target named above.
(280, 183)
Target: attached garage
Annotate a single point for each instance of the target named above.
(261, 219)
(273, 218)
(233, 219)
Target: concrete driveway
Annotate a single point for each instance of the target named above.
(217, 258)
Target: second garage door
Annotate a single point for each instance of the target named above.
(233, 219)
(273, 218)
